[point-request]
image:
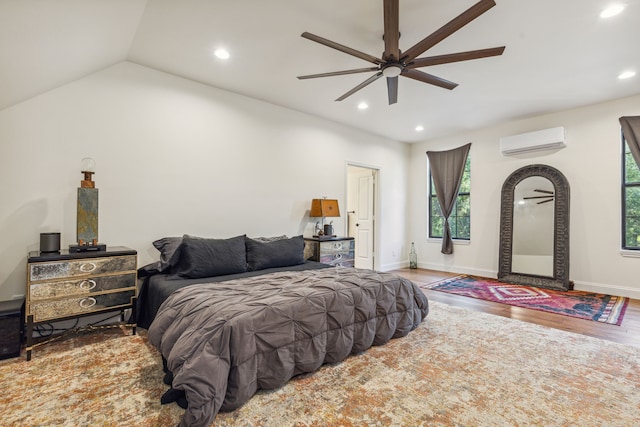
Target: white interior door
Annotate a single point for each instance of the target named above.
(360, 209)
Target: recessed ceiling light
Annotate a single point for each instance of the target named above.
(419, 128)
(612, 10)
(626, 75)
(222, 53)
(363, 106)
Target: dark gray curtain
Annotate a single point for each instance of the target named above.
(631, 132)
(447, 169)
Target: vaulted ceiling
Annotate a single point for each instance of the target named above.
(559, 54)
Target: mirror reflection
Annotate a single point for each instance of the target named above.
(533, 227)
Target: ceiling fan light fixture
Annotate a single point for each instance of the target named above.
(393, 70)
(363, 106)
(419, 128)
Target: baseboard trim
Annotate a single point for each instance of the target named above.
(394, 266)
(622, 291)
(460, 270)
(445, 268)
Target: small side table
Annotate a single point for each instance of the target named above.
(330, 250)
(65, 285)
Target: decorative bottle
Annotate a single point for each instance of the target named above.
(413, 257)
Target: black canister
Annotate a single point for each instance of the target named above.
(49, 242)
(328, 230)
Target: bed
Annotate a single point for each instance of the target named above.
(225, 336)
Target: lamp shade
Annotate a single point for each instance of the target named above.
(324, 207)
(87, 164)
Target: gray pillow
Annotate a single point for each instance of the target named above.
(270, 239)
(169, 248)
(277, 253)
(200, 257)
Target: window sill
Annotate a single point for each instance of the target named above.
(630, 253)
(455, 241)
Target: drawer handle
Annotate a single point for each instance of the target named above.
(87, 267)
(337, 245)
(337, 256)
(91, 302)
(87, 285)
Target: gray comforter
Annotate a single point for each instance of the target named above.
(224, 341)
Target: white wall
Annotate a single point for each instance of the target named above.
(173, 157)
(591, 163)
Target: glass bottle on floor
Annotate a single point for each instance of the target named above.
(413, 257)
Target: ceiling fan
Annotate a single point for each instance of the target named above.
(548, 197)
(396, 63)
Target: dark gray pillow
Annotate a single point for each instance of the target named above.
(270, 239)
(200, 257)
(149, 269)
(278, 253)
(169, 248)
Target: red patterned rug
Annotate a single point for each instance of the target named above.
(584, 305)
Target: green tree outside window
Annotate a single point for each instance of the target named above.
(460, 219)
(630, 201)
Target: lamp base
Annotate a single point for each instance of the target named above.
(87, 248)
(323, 236)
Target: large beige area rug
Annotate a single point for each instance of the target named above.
(459, 368)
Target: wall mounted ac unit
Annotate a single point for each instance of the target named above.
(546, 139)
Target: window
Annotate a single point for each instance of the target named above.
(630, 200)
(460, 219)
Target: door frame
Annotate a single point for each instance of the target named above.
(376, 170)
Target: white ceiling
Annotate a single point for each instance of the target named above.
(559, 54)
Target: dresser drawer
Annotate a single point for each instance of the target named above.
(55, 309)
(78, 268)
(343, 246)
(80, 287)
(344, 259)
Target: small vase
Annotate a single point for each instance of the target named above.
(413, 257)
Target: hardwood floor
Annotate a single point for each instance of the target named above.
(627, 333)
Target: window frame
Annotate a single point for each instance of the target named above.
(432, 196)
(626, 185)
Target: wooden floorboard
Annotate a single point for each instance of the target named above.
(627, 333)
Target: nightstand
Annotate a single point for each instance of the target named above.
(331, 250)
(63, 286)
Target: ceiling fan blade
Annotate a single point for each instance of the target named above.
(391, 30)
(544, 201)
(538, 197)
(543, 191)
(392, 89)
(456, 57)
(449, 28)
(428, 78)
(339, 73)
(360, 86)
(343, 48)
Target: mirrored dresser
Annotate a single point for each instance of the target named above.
(63, 286)
(330, 250)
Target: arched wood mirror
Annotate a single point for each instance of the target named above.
(534, 228)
